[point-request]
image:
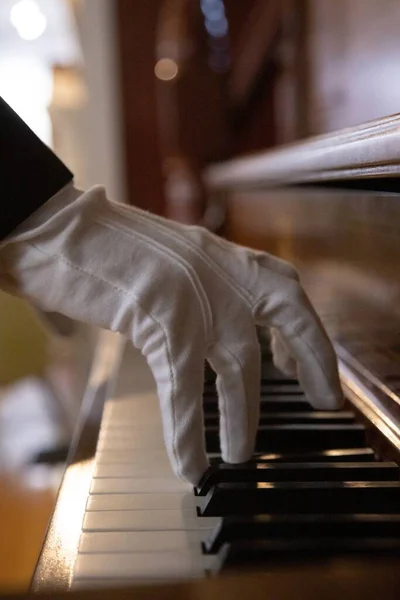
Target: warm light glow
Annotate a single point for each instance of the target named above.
(166, 69)
(68, 87)
(28, 19)
(26, 84)
(67, 519)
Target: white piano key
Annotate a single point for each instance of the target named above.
(106, 456)
(140, 432)
(130, 416)
(153, 438)
(157, 565)
(141, 502)
(126, 427)
(133, 470)
(128, 419)
(147, 520)
(138, 444)
(137, 508)
(103, 584)
(140, 541)
(139, 486)
(134, 407)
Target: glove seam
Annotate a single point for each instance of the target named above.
(187, 267)
(295, 332)
(65, 261)
(237, 360)
(311, 349)
(245, 294)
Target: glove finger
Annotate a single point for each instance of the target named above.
(180, 391)
(238, 384)
(284, 306)
(281, 356)
(276, 265)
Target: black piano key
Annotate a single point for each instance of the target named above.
(283, 387)
(270, 372)
(317, 417)
(291, 438)
(268, 387)
(338, 454)
(209, 375)
(263, 472)
(301, 498)
(291, 527)
(257, 553)
(267, 404)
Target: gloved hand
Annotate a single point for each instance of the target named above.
(182, 295)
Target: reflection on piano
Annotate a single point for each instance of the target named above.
(321, 485)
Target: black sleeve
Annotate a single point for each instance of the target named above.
(30, 173)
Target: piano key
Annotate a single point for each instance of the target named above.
(130, 566)
(146, 520)
(131, 469)
(290, 527)
(107, 456)
(143, 407)
(295, 437)
(340, 454)
(110, 436)
(209, 374)
(270, 372)
(138, 485)
(139, 541)
(138, 509)
(134, 443)
(276, 386)
(288, 387)
(128, 421)
(277, 418)
(267, 404)
(102, 584)
(302, 498)
(239, 554)
(264, 472)
(160, 501)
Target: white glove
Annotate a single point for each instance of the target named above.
(182, 295)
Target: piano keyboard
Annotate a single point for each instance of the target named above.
(314, 488)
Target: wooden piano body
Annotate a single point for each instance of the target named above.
(331, 205)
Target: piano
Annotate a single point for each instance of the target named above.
(323, 489)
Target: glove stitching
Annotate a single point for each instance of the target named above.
(236, 287)
(65, 261)
(295, 332)
(315, 355)
(237, 360)
(215, 268)
(185, 265)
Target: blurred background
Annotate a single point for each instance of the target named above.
(140, 96)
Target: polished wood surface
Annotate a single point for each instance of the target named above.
(365, 152)
(353, 67)
(346, 244)
(330, 580)
(255, 46)
(137, 25)
(24, 514)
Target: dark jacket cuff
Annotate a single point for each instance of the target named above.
(30, 173)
